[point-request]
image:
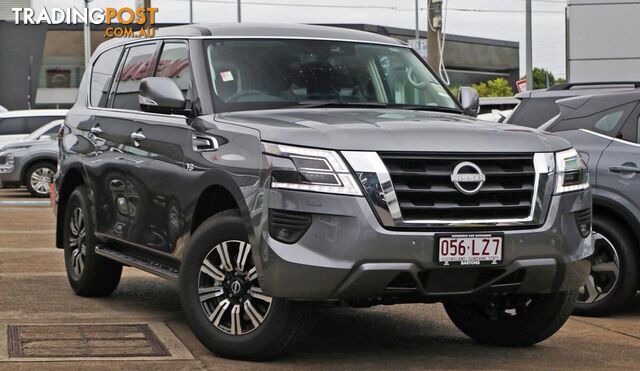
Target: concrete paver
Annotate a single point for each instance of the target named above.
(34, 290)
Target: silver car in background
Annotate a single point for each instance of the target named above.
(32, 161)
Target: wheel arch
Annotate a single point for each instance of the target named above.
(46, 159)
(218, 192)
(72, 178)
(621, 215)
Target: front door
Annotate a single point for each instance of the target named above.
(159, 155)
(619, 166)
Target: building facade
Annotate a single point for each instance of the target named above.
(42, 65)
(603, 40)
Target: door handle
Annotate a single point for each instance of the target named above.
(624, 169)
(137, 138)
(96, 129)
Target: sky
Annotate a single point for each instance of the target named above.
(496, 19)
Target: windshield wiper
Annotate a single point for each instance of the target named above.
(341, 103)
(357, 104)
(415, 107)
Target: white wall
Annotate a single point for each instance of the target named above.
(5, 8)
(603, 40)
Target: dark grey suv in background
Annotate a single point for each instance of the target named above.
(267, 168)
(538, 106)
(605, 129)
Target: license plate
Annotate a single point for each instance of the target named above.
(469, 249)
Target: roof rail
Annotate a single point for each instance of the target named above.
(569, 85)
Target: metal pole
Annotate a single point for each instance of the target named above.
(529, 38)
(147, 5)
(433, 49)
(417, 23)
(190, 11)
(239, 12)
(87, 38)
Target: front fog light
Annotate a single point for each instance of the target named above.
(572, 174)
(288, 226)
(583, 219)
(316, 170)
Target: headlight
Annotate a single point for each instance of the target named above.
(316, 170)
(572, 174)
(6, 162)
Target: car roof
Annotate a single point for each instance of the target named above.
(262, 30)
(578, 107)
(578, 89)
(33, 113)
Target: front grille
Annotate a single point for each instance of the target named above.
(425, 191)
(3, 159)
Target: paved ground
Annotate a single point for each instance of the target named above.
(34, 290)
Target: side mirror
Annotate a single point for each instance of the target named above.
(161, 95)
(470, 100)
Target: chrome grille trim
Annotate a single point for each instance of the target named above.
(379, 189)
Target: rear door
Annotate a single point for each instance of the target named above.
(113, 170)
(619, 167)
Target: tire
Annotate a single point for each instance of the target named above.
(613, 282)
(89, 274)
(38, 177)
(539, 317)
(283, 321)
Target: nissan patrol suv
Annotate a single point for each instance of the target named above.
(269, 168)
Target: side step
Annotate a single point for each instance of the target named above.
(138, 262)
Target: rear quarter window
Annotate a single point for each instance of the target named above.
(534, 112)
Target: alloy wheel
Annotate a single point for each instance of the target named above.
(78, 241)
(605, 271)
(40, 180)
(228, 288)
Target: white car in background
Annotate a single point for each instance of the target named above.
(495, 115)
(16, 125)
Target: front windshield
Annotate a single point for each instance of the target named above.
(264, 74)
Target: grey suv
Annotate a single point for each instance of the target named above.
(267, 168)
(32, 161)
(605, 129)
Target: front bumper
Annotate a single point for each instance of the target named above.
(347, 254)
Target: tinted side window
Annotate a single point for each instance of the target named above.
(136, 67)
(101, 76)
(34, 123)
(606, 122)
(13, 126)
(534, 112)
(174, 64)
